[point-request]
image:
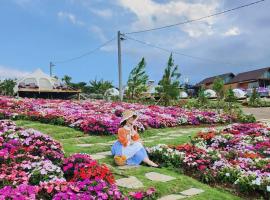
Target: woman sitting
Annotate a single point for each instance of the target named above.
(128, 148)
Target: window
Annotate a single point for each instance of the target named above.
(253, 85)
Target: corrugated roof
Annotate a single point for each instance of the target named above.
(211, 79)
(250, 75)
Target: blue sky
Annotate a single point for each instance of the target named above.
(35, 32)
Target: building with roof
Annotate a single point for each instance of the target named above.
(207, 83)
(38, 84)
(251, 79)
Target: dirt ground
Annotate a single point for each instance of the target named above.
(259, 113)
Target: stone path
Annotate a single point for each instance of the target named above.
(154, 176)
(182, 195)
(84, 145)
(132, 183)
(125, 167)
(192, 192)
(259, 113)
(172, 197)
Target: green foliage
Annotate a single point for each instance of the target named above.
(218, 86)
(202, 99)
(168, 86)
(254, 98)
(137, 80)
(99, 86)
(67, 80)
(6, 87)
(229, 96)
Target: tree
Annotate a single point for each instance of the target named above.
(137, 80)
(7, 86)
(231, 99)
(168, 86)
(218, 86)
(254, 99)
(99, 86)
(202, 99)
(67, 79)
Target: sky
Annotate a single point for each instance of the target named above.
(35, 32)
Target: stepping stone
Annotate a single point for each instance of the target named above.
(163, 133)
(172, 197)
(167, 138)
(84, 145)
(104, 144)
(153, 137)
(128, 167)
(105, 153)
(192, 192)
(131, 183)
(97, 156)
(154, 176)
(149, 141)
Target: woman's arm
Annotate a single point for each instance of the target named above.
(122, 137)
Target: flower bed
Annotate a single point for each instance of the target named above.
(32, 166)
(237, 156)
(103, 117)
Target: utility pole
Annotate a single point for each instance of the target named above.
(51, 66)
(119, 66)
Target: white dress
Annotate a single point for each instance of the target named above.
(133, 147)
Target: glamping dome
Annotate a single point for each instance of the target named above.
(239, 94)
(37, 80)
(112, 92)
(210, 93)
(183, 95)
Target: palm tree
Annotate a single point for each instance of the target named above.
(99, 86)
(6, 87)
(67, 79)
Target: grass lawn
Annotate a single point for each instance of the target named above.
(70, 138)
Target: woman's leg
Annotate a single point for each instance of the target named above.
(149, 162)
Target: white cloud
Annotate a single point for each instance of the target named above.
(8, 72)
(150, 14)
(105, 13)
(98, 33)
(233, 32)
(70, 17)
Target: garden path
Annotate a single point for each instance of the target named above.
(98, 147)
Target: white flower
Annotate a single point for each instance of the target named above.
(227, 174)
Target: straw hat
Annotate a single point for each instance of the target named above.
(128, 114)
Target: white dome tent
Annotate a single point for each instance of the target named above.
(210, 93)
(37, 80)
(239, 94)
(111, 92)
(183, 95)
(41, 85)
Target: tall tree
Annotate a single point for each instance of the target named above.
(6, 87)
(168, 86)
(218, 86)
(99, 86)
(67, 79)
(137, 80)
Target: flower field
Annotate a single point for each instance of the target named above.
(237, 156)
(32, 166)
(103, 117)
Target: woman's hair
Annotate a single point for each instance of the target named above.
(123, 123)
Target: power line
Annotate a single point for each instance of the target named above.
(87, 53)
(179, 53)
(197, 19)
